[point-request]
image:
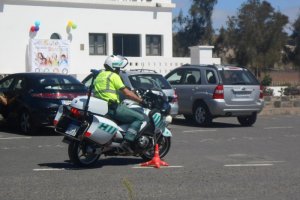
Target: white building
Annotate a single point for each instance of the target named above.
(86, 31)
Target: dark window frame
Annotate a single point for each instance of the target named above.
(128, 45)
(151, 47)
(93, 46)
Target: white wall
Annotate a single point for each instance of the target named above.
(159, 64)
(277, 90)
(16, 20)
(90, 16)
(203, 55)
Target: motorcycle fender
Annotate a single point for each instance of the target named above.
(67, 140)
(167, 133)
(58, 114)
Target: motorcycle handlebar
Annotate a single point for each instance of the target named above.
(152, 100)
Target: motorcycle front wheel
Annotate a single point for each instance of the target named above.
(82, 154)
(164, 144)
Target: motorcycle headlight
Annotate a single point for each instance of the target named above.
(169, 119)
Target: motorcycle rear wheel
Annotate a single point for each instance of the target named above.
(82, 154)
(164, 144)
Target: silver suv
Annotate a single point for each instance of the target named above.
(209, 91)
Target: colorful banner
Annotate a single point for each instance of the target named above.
(49, 56)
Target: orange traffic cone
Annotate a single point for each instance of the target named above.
(156, 161)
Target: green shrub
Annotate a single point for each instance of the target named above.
(291, 91)
(268, 92)
(267, 80)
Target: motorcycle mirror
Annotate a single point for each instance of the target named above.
(95, 71)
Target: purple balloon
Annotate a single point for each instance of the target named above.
(36, 28)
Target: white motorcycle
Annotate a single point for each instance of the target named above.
(90, 132)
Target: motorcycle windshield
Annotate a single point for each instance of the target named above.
(149, 81)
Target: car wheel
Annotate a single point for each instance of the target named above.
(26, 124)
(202, 116)
(247, 120)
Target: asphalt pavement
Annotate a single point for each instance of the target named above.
(224, 161)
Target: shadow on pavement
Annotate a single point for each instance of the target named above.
(184, 122)
(112, 161)
(10, 127)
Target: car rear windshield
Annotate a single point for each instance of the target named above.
(149, 81)
(238, 77)
(63, 83)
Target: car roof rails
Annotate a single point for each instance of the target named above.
(141, 70)
(234, 65)
(199, 65)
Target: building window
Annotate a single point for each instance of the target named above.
(55, 36)
(97, 42)
(153, 45)
(126, 45)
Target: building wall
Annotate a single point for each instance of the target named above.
(16, 18)
(203, 55)
(284, 77)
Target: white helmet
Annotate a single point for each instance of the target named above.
(115, 63)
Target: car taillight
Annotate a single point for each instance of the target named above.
(57, 95)
(261, 93)
(87, 134)
(175, 98)
(219, 92)
(55, 122)
(76, 113)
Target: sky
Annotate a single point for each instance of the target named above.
(224, 8)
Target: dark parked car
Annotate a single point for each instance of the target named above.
(37, 97)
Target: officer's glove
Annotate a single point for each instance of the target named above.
(145, 103)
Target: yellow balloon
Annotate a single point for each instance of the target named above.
(70, 23)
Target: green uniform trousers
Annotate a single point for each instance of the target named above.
(124, 114)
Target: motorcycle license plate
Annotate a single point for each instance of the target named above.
(72, 129)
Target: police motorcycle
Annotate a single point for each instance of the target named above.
(90, 133)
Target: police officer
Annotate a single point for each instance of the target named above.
(107, 84)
